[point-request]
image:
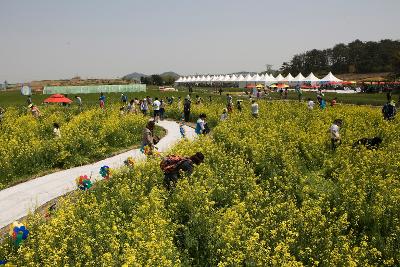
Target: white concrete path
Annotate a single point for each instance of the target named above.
(17, 201)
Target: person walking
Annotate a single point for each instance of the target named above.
(254, 109)
(186, 108)
(299, 92)
(102, 100)
(144, 106)
(156, 109)
(149, 140)
(335, 135)
(124, 99)
(229, 103)
(173, 166)
(239, 105)
(162, 109)
(78, 101)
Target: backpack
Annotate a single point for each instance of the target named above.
(170, 163)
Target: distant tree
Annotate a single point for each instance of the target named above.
(357, 56)
(157, 79)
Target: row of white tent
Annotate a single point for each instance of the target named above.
(268, 78)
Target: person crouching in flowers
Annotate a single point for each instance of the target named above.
(34, 111)
(200, 124)
(224, 115)
(56, 130)
(335, 135)
(172, 166)
(149, 140)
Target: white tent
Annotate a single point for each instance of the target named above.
(227, 78)
(330, 78)
(179, 80)
(257, 78)
(203, 79)
(241, 78)
(233, 78)
(311, 78)
(221, 78)
(299, 78)
(288, 78)
(279, 78)
(214, 78)
(208, 78)
(269, 79)
(248, 78)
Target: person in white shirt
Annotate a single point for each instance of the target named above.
(254, 109)
(224, 114)
(156, 109)
(56, 130)
(335, 135)
(310, 104)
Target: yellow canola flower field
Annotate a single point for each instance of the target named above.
(29, 146)
(271, 192)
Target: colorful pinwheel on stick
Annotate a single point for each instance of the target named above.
(130, 162)
(105, 172)
(83, 182)
(18, 232)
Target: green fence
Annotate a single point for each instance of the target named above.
(94, 89)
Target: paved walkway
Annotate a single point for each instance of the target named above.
(16, 201)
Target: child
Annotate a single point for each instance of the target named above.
(56, 130)
(182, 128)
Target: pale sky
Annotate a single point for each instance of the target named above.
(53, 39)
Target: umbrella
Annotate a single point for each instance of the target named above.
(282, 85)
(57, 98)
(273, 86)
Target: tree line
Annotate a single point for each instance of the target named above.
(354, 57)
(156, 79)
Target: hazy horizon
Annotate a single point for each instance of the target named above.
(55, 39)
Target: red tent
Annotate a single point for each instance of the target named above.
(57, 98)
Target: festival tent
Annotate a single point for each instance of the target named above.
(179, 80)
(288, 78)
(299, 78)
(208, 78)
(241, 78)
(203, 79)
(248, 78)
(214, 78)
(330, 78)
(221, 78)
(311, 78)
(279, 78)
(57, 98)
(257, 78)
(269, 79)
(233, 78)
(227, 78)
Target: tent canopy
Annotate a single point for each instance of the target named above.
(330, 78)
(57, 98)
